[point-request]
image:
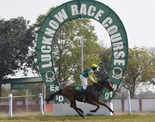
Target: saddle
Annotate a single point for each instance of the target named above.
(82, 94)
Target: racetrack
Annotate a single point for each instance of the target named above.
(144, 117)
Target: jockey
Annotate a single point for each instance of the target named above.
(88, 77)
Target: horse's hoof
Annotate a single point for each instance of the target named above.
(82, 116)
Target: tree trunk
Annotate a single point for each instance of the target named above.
(132, 92)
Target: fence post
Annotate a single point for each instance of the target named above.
(27, 100)
(111, 106)
(129, 102)
(10, 105)
(44, 96)
(41, 104)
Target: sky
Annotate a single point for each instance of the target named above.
(137, 16)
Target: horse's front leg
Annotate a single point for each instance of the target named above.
(94, 110)
(94, 103)
(102, 103)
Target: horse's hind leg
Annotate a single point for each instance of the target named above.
(73, 105)
(78, 110)
(101, 103)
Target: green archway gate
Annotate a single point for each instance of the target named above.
(82, 9)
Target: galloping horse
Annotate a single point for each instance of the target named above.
(91, 97)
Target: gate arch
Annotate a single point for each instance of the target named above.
(82, 9)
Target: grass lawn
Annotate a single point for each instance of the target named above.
(134, 117)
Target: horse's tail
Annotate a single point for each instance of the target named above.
(51, 97)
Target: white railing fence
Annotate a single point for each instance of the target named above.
(7, 103)
(35, 103)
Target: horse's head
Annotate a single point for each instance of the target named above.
(106, 83)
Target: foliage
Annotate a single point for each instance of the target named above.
(5, 92)
(140, 69)
(68, 48)
(33, 89)
(19, 92)
(16, 38)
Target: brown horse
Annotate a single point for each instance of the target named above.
(91, 96)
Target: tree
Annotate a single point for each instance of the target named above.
(16, 38)
(140, 69)
(67, 52)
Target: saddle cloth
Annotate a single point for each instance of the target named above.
(78, 88)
